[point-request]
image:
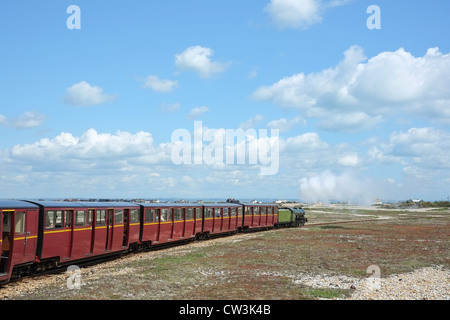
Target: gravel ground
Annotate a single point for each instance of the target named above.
(432, 283)
(422, 284)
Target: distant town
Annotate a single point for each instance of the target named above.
(410, 203)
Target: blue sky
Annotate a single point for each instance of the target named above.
(362, 113)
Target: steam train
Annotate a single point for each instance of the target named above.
(40, 235)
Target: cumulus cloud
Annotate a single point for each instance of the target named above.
(91, 149)
(424, 157)
(252, 122)
(153, 82)
(198, 59)
(197, 112)
(83, 94)
(29, 119)
(427, 148)
(295, 14)
(349, 160)
(359, 93)
(284, 124)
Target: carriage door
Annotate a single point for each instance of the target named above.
(126, 225)
(109, 228)
(4, 259)
(183, 217)
(68, 228)
(25, 231)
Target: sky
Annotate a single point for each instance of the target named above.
(338, 100)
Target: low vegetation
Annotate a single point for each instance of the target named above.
(271, 264)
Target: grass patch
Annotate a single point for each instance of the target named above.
(321, 293)
(331, 227)
(165, 263)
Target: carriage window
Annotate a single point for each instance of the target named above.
(151, 215)
(256, 210)
(189, 214)
(101, 217)
(6, 218)
(240, 211)
(208, 213)
(134, 216)
(68, 219)
(225, 212)
(233, 212)
(217, 212)
(90, 215)
(118, 216)
(263, 210)
(20, 222)
(178, 214)
(165, 215)
(53, 219)
(80, 218)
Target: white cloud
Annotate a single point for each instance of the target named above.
(198, 59)
(426, 148)
(423, 154)
(348, 122)
(349, 160)
(305, 142)
(170, 107)
(293, 13)
(105, 162)
(284, 124)
(196, 112)
(358, 93)
(299, 14)
(29, 119)
(251, 123)
(90, 145)
(84, 94)
(253, 73)
(160, 85)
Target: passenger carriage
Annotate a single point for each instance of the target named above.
(260, 216)
(169, 222)
(19, 230)
(220, 218)
(81, 230)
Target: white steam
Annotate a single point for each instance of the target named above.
(328, 187)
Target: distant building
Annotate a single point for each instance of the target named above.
(377, 202)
